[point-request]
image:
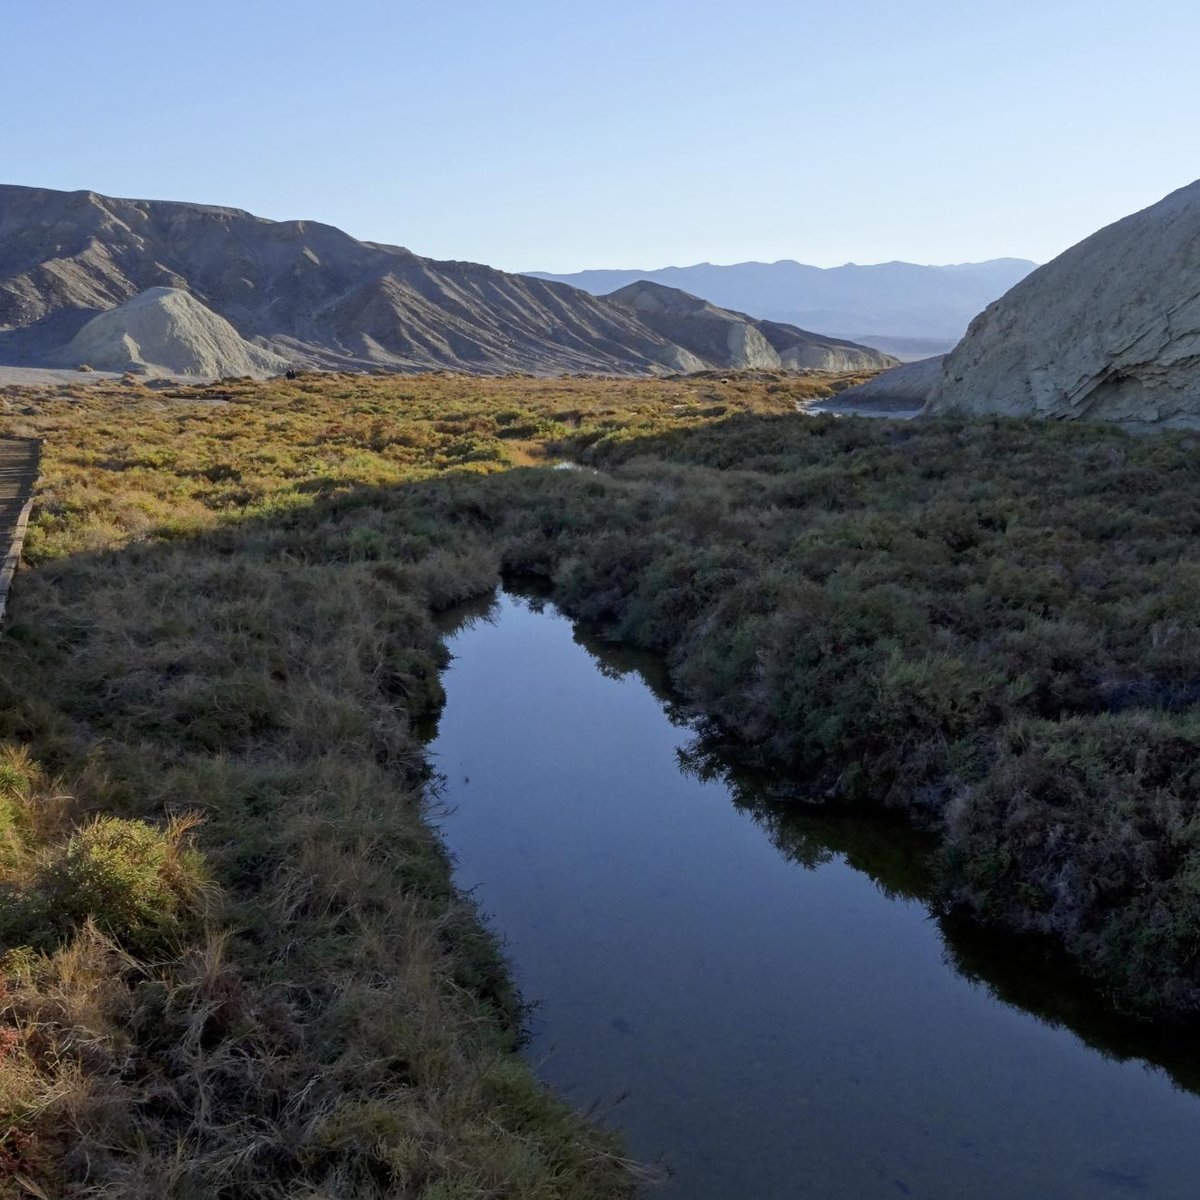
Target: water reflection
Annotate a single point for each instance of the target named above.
(1020, 971)
(766, 980)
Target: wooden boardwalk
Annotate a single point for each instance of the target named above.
(19, 461)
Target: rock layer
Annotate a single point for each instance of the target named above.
(1108, 331)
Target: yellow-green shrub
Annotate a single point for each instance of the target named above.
(134, 880)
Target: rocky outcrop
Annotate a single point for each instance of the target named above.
(721, 338)
(299, 289)
(1108, 331)
(164, 331)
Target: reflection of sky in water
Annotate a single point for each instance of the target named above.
(779, 1031)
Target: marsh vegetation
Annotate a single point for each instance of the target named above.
(759, 982)
(213, 666)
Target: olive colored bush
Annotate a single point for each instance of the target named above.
(135, 882)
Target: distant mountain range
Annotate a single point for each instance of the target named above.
(902, 308)
(225, 290)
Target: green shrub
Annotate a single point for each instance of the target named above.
(28, 807)
(137, 882)
(1086, 829)
(14, 796)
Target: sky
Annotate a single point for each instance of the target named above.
(561, 135)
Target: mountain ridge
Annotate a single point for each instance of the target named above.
(301, 289)
(887, 301)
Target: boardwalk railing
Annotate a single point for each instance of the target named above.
(19, 461)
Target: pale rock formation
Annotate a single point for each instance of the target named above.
(1108, 331)
(165, 331)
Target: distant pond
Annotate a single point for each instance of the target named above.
(757, 996)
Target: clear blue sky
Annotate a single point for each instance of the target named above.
(558, 135)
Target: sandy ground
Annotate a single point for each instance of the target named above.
(55, 377)
(45, 377)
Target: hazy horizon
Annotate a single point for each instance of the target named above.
(774, 262)
(576, 270)
(537, 138)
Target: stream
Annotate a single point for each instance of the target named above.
(755, 994)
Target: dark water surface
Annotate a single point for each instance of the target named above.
(763, 991)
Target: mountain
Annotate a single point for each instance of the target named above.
(1109, 330)
(873, 304)
(298, 289)
(164, 331)
(732, 340)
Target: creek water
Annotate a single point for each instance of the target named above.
(756, 995)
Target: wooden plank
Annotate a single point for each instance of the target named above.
(19, 462)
